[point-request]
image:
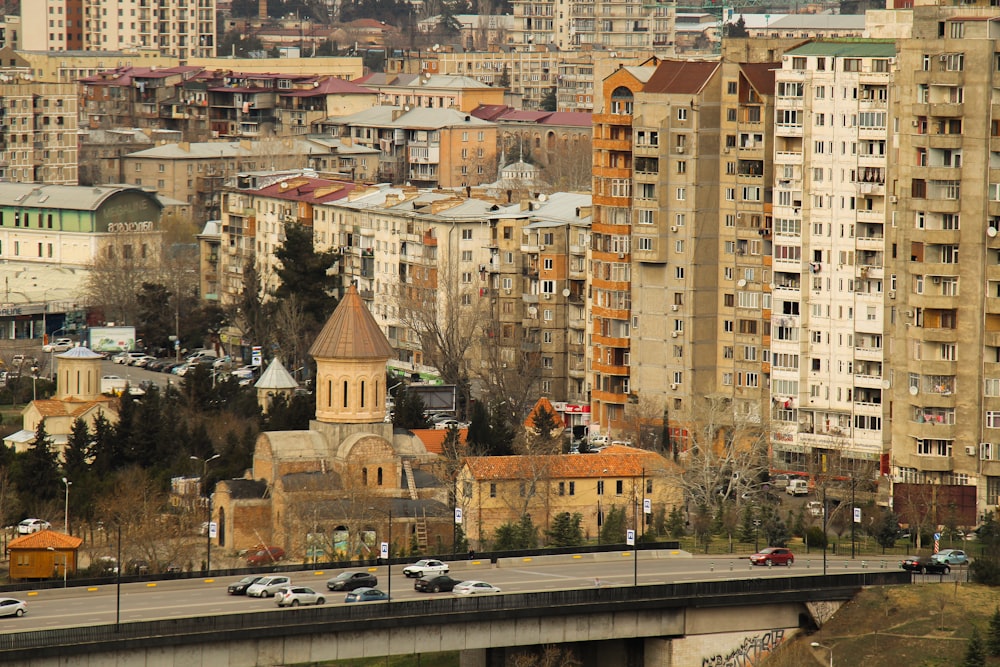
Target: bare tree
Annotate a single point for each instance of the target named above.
(568, 166)
(643, 423)
(123, 263)
(289, 317)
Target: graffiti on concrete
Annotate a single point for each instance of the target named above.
(750, 653)
(823, 610)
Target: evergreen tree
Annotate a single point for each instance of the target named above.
(746, 533)
(106, 459)
(409, 412)
(566, 530)
(885, 529)
(975, 652)
(675, 524)
(480, 433)
(548, 102)
(614, 526)
(303, 273)
(546, 432)
(37, 470)
(76, 466)
(993, 636)
(516, 536)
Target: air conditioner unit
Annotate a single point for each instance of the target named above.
(892, 295)
(970, 450)
(936, 280)
(621, 255)
(673, 386)
(675, 307)
(893, 199)
(673, 334)
(541, 248)
(680, 149)
(507, 290)
(673, 228)
(898, 479)
(548, 297)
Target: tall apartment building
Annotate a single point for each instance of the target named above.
(832, 141)
(607, 25)
(944, 315)
(180, 28)
(38, 131)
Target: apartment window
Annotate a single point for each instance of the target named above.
(682, 114)
(600, 487)
(681, 194)
(619, 487)
(466, 234)
(957, 30)
(493, 489)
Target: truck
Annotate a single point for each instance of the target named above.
(797, 487)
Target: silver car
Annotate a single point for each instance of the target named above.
(268, 586)
(293, 596)
(474, 588)
(424, 567)
(12, 607)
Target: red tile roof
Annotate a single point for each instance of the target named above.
(433, 438)
(44, 539)
(616, 461)
(310, 190)
(330, 86)
(761, 76)
(681, 77)
(66, 408)
(491, 111)
(351, 333)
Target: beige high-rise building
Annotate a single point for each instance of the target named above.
(599, 25)
(181, 28)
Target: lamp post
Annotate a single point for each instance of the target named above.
(68, 484)
(208, 526)
(387, 550)
(65, 563)
(823, 646)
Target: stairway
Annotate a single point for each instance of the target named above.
(420, 526)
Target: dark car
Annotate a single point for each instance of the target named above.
(925, 564)
(773, 556)
(435, 583)
(350, 580)
(241, 586)
(365, 595)
(264, 555)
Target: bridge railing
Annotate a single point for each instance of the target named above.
(439, 611)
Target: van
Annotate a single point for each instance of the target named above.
(797, 487)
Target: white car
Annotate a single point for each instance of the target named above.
(29, 526)
(815, 508)
(59, 345)
(268, 586)
(422, 568)
(293, 596)
(12, 607)
(474, 588)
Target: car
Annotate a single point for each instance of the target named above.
(293, 596)
(245, 372)
(422, 568)
(773, 556)
(266, 587)
(474, 588)
(17, 360)
(29, 526)
(141, 362)
(446, 424)
(265, 555)
(58, 345)
(352, 579)
(951, 557)
(814, 507)
(435, 584)
(366, 594)
(780, 481)
(222, 362)
(924, 565)
(13, 607)
(241, 586)
(126, 358)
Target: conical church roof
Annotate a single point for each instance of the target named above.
(351, 333)
(276, 376)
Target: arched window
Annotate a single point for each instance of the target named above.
(329, 393)
(377, 401)
(364, 476)
(362, 394)
(621, 101)
(222, 526)
(345, 393)
(380, 476)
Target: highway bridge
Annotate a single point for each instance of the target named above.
(738, 615)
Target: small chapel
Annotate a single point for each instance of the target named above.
(348, 482)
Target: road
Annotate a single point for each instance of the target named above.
(56, 608)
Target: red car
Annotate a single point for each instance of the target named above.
(263, 555)
(773, 556)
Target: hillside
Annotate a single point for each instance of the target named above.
(921, 625)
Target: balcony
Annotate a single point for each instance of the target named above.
(933, 463)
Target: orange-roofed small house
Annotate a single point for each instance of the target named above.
(43, 555)
(495, 490)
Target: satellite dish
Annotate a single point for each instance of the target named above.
(566, 292)
(991, 232)
(543, 197)
(914, 391)
(886, 384)
(741, 282)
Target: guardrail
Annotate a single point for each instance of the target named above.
(436, 611)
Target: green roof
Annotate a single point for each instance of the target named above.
(847, 49)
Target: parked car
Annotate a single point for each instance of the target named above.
(773, 556)
(12, 607)
(141, 362)
(797, 487)
(365, 595)
(266, 587)
(435, 584)
(126, 358)
(293, 596)
(222, 362)
(29, 526)
(925, 565)
(422, 568)
(780, 481)
(241, 586)
(446, 424)
(951, 557)
(814, 507)
(264, 555)
(348, 581)
(58, 345)
(474, 588)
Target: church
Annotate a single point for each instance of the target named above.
(350, 481)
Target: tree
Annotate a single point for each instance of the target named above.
(993, 635)
(614, 525)
(304, 273)
(549, 102)
(885, 529)
(116, 272)
(38, 469)
(516, 536)
(773, 529)
(566, 530)
(975, 652)
(675, 524)
(545, 434)
(737, 29)
(409, 411)
(567, 167)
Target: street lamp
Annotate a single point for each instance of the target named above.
(68, 484)
(387, 550)
(208, 526)
(65, 563)
(823, 646)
